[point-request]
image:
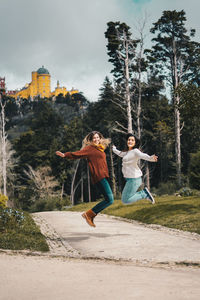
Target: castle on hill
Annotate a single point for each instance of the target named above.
(39, 86)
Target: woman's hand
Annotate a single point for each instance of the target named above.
(114, 147)
(155, 158)
(60, 154)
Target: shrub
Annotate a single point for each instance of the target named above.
(165, 188)
(18, 231)
(10, 218)
(49, 204)
(3, 200)
(185, 192)
(194, 171)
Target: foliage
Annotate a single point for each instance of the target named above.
(3, 200)
(165, 188)
(9, 218)
(50, 204)
(194, 170)
(189, 107)
(18, 231)
(172, 41)
(120, 44)
(185, 192)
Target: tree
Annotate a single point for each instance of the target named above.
(194, 170)
(171, 56)
(157, 128)
(42, 180)
(7, 161)
(189, 109)
(3, 147)
(121, 49)
(139, 67)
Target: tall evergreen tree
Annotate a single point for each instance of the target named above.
(171, 56)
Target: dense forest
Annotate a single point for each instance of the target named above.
(132, 99)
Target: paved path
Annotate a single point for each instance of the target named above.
(113, 238)
(117, 260)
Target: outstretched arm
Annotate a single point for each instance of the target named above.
(83, 153)
(141, 155)
(119, 153)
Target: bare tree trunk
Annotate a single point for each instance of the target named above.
(141, 26)
(88, 176)
(112, 172)
(177, 119)
(82, 198)
(177, 144)
(147, 179)
(128, 97)
(72, 185)
(62, 192)
(139, 104)
(3, 148)
(125, 104)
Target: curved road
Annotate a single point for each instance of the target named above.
(116, 260)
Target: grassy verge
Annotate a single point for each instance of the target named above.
(171, 211)
(18, 231)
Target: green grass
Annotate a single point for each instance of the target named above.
(171, 211)
(18, 231)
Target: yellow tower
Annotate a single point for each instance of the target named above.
(39, 86)
(34, 84)
(43, 83)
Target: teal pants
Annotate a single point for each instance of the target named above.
(105, 189)
(130, 194)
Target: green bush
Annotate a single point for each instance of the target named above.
(165, 188)
(49, 204)
(185, 192)
(18, 231)
(194, 170)
(10, 218)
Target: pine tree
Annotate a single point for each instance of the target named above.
(171, 56)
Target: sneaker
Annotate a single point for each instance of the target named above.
(149, 195)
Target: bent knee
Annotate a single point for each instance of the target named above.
(124, 201)
(110, 198)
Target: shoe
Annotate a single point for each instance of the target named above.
(89, 217)
(149, 195)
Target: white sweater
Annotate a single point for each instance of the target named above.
(130, 167)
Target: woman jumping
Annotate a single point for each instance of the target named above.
(132, 172)
(93, 148)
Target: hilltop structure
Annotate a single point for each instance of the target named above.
(40, 86)
(62, 90)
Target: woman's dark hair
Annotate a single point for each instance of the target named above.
(137, 141)
(90, 136)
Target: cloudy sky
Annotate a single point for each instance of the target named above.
(67, 37)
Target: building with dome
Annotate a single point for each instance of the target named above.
(41, 86)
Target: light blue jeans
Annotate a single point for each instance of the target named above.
(130, 194)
